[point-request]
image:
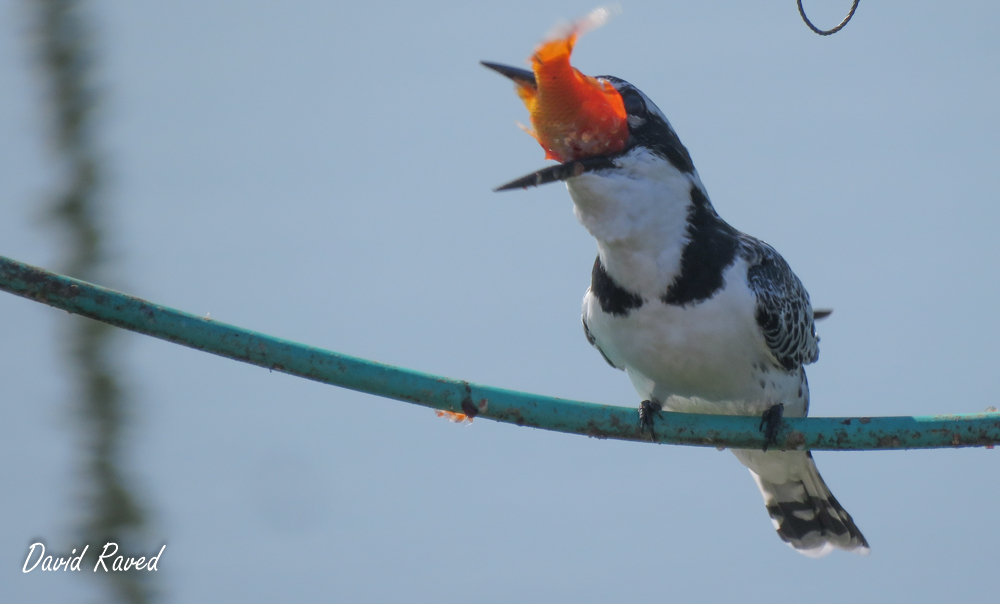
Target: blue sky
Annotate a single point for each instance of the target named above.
(323, 173)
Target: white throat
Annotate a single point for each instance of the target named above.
(638, 214)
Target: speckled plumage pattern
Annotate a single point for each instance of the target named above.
(783, 309)
(702, 317)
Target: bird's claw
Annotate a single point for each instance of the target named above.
(770, 422)
(647, 412)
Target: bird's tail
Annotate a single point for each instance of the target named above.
(804, 512)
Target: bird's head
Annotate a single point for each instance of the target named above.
(585, 122)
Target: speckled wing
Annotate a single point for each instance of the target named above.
(784, 314)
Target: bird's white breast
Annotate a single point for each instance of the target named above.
(712, 350)
(707, 356)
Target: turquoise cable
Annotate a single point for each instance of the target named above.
(459, 396)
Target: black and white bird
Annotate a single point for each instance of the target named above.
(702, 317)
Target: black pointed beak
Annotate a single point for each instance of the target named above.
(520, 76)
(560, 172)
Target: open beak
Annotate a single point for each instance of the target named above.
(520, 76)
(560, 172)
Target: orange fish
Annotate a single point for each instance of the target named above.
(574, 116)
(457, 418)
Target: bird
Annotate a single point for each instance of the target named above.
(702, 317)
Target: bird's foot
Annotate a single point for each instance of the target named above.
(647, 412)
(770, 421)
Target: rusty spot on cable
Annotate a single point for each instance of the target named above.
(468, 407)
(512, 416)
(889, 442)
(795, 439)
(594, 430)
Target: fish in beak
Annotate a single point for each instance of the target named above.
(579, 120)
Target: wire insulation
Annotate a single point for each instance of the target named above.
(827, 32)
(458, 396)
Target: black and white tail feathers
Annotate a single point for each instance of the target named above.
(804, 512)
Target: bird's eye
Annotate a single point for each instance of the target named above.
(634, 105)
